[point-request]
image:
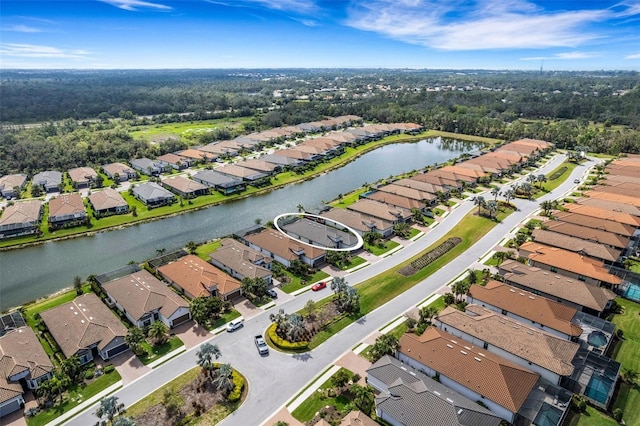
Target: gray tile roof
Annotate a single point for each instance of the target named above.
(414, 399)
(151, 191)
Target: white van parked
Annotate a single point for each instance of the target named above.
(235, 324)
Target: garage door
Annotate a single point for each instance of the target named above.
(181, 319)
(10, 407)
(117, 350)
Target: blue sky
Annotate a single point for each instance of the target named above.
(461, 34)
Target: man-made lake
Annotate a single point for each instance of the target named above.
(34, 272)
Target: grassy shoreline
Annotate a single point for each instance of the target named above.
(203, 202)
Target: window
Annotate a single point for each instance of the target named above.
(582, 278)
(485, 345)
(554, 269)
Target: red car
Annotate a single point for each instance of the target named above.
(319, 286)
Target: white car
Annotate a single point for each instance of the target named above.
(235, 324)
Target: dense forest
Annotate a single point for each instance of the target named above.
(87, 116)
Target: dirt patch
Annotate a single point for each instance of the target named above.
(197, 397)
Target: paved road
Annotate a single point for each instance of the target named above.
(276, 378)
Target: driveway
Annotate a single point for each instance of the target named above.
(129, 367)
(246, 308)
(191, 334)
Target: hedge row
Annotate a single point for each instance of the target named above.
(558, 173)
(238, 385)
(283, 344)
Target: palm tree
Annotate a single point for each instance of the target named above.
(480, 202)
(134, 339)
(161, 251)
(500, 256)
(158, 332)
(223, 378)
(363, 397)
(541, 179)
(546, 206)
(282, 322)
(508, 195)
(296, 327)
(191, 247)
(531, 179)
(109, 408)
(527, 188)
(492, 207)
(71, 367)
(199, 308)
(460, 288)
(496, 192)
(300, 208)
(427, 313)
(206, 356)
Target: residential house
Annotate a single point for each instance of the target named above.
(427, 198)
(86, 328)
(283, 249)
(22, 218)
(613, 197)
(281, 160)
(119, 172)
(501, 385)
(241, 261)
(185, 187)
(23, 364)
(317, 153)
(610, 213)
(49, 181)
(260, 166)
(429, 182)
(222, 149)
(589, 234)
(357, 418)
(153, 195)
(548, 355)
(67, 210)
(527, 308)
(571, 292)
(302, 157)
(220, 182)
(144, 299)
(12, 185)
(197, 156)
(597, 223)
(249, 176)
(147, 166)
(82, 177)
(449, 174)
(592, 249)
(608, 206)
(569, 264)
(359, 222)
(382, 211)
(195, 277)
(408, 397)
(319, 233)
(397, 200)
(107, 202)
(174, 161)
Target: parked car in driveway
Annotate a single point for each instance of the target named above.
(272, 293)
(319, 286)
(235, 324)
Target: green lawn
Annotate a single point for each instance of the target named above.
(157, 352)
(591, 417)
(76, 396)
(225, 318)
(379, 251)
(355, 261)
(203, 250)
(316, 401)
(550, 185)
(296, 283)
(627, 352)
(186, 129)
(348, 199)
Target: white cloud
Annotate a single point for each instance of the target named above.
(22, 29)
(474, 25)
(564, 55)
(37, 51)
(634, 56)
(134, 5)
(288, 5)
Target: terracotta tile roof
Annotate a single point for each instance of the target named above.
(612, 206)
(140, 293)
(119, 168)
(405, 191)
(22, 212)
(558, 286)
(242, 259)
(11, 181)
(20, 351)
(623, 190)
(531, 344)
(507, 154)
(431, 186)
(595, 222)
(196, 154)
(380, 210)
(568, 261)
(183, 184)
(357, 418)
(292, 153)
(414, 399)
(66, 204)
(624, 169)
(357, 221)
(108, 198)
(82, 174)
(397, 200)
(240, 172)
(83, 322)
(173, 158)
(527, 305)
(590, 248)
(625, 182)
(325, 143)
(280, 245)
(310, 149)
(258, 165)
(493, 377)
(459, 170)
(610, 196)
(589, 234)
(603, 213)
(199, 278)
(450, 174)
